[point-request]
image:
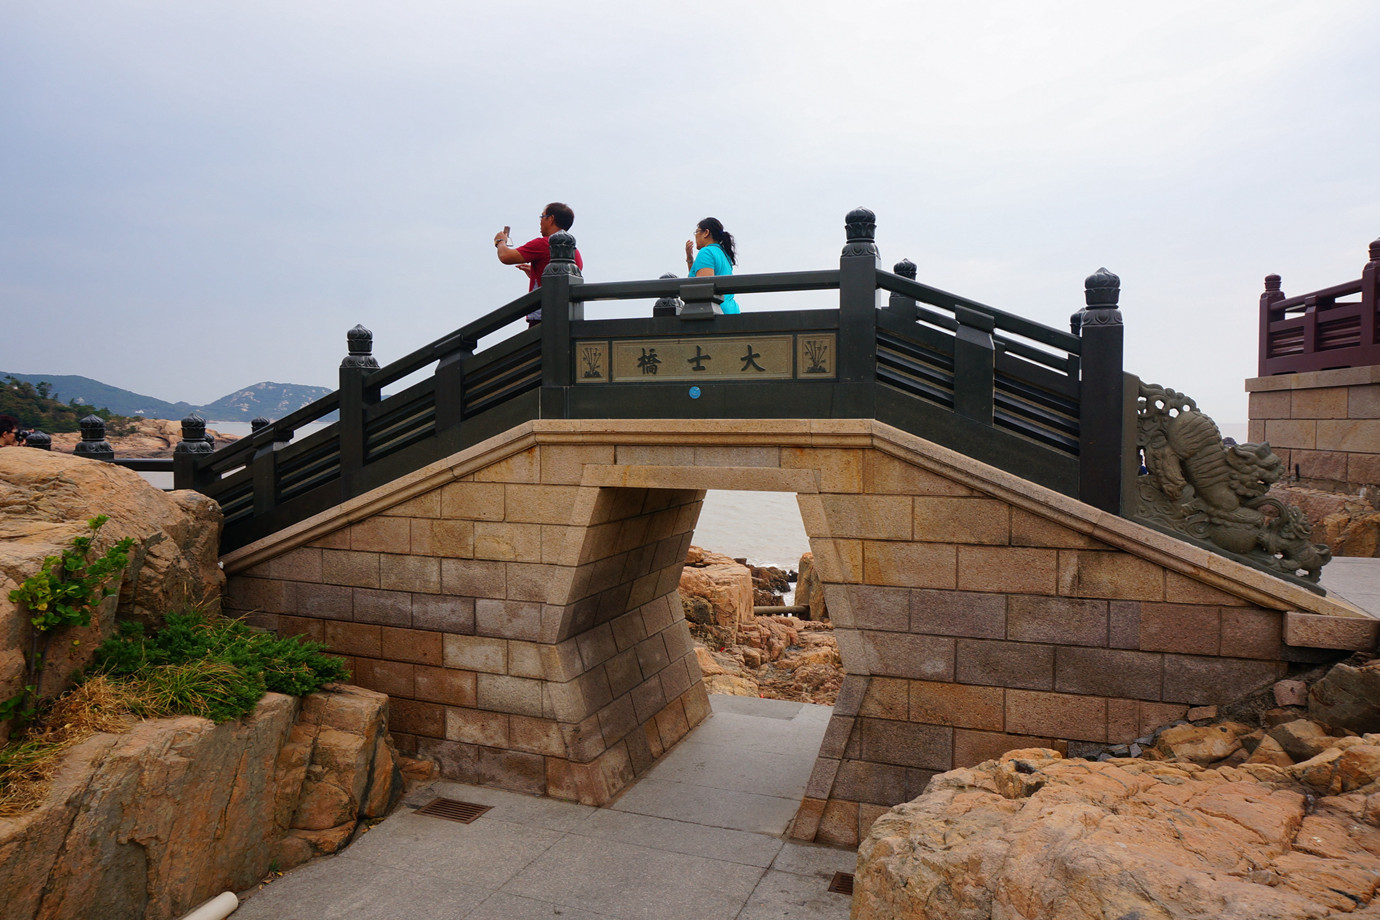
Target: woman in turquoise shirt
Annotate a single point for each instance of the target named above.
(716, 256)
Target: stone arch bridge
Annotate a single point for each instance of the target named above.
(498, 548)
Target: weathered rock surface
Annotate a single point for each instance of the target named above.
(809, 589)
(725, 584)
(777, 657)
(46, 499)
(151, 823)
(1033, 835)
(1348, 697)
(1348, 524)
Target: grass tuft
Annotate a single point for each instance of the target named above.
(215, 668)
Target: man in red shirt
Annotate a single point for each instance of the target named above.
(533, 256)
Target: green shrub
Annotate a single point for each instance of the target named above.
(218, 668)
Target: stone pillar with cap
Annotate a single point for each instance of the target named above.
(1105, 461)
(93, 443)
(38, 440)
(355, 368)
(858, 297)
(189, 451)
(558, 311)
(902, 306)
(1271, 296)
(670, 305)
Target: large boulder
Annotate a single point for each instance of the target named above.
(151, 823)
(45, 501)
(809, 589)
(1034, 835)
(725, 584)
(1348, 697)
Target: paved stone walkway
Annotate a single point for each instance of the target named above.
(699, 837)
(1356, 579)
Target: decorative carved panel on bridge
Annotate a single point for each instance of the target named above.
(756, 357)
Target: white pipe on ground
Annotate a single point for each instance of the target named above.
(218, 908)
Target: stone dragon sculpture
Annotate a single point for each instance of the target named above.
(1196, 486)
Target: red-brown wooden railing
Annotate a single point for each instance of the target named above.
(1319, 331)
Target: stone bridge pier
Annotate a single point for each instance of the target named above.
(517, 602)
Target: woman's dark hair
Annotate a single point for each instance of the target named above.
(8, 423)
(718, 234)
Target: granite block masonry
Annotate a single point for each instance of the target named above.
(518, 603)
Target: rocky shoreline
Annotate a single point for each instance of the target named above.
(782, 657)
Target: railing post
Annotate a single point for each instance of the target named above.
(557, 311)
(38, 440)
(857, 346)
(1268, 299)
(263, 468)
(974, 365)
(669, 305)
(450, 389)
(93, 443)
(1370, 307)
(1102, 408)
(185, 454)
(900, 305)
(355, 366)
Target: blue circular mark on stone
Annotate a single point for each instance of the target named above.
(694, 392)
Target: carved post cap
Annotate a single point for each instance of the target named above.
(193, 437)
(38, 440)
(668, 305)
(1272, 282)
(93, 443)
(1102, 290)
(259, 423)
(906, 269)
(562, 244)
(861, 226)
(360, 342)
(1375, 251)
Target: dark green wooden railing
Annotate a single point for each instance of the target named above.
(1044, 404)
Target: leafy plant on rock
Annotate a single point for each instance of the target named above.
(64, 592)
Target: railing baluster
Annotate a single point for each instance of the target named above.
(1370, 307)
(354, 398)
(974, 365)
(1102, 410)
(557, 311)
(900, 305)
(858, 296)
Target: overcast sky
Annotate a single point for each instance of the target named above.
(198, 196)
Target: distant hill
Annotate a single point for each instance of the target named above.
(101, 395)
(271, 400)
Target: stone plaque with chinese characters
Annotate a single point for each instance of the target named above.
(758, 357)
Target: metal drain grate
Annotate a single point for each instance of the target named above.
(842, 883)
(455, 810)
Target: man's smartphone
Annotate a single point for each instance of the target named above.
(506, 231)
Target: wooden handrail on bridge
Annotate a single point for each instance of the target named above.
(1039, 402)
(1318, 331)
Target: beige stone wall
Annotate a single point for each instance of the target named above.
(1326, 424)
(519, 605)
(527, 629)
